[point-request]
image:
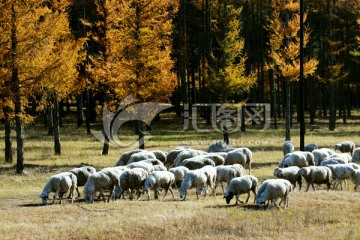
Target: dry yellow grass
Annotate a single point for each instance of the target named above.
(311, 215)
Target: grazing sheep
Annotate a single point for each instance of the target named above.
(298, 158)
(356, 178)
(82, 174)
(242, 156)
(132, 179)
(170, 158)
(273, 190)
(321, 154)
(353, 165)
(290, 174)
(227, 173)
(328, 162)
(240, 185)
(117, 169)
(143, 155)
(99, 182)
(194, 178)
(144, 165)
(197, 162)
(60, 184)
(186, 155)
(317, 175)
(157, 180)
(179, 173)
(341, 158)
(310, 147)
(160, 168)
(347, 146)
(153, 162)
(217, 158)
(126, 156)
(210, 172)
(356, 156)
(217, 146)
(341, 172)
(288, 147)
(161, 155)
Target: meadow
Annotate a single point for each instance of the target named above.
(316, 214)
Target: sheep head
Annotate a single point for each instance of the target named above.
(228, 197)
(44, 198)
(183, 192)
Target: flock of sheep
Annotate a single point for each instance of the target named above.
(140, 171)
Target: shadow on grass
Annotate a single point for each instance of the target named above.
(243, 206)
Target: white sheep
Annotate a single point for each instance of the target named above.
(171, 156)
(161, 155)
(157, 180)
(186, 154)
(160, 168)
(347, 146)
(82, 174)
(310, 147)
(341, 158)
(298, 158)
(242, 156)
(217, 158)
(240, 185)
(197, 162)
(226, 173)
(194, 178)
(123, 160)
(143, 155)
(210, 172)
(356, 156)
(288, 147)
(341, 172)
(317, 175)
(117, 169)
(144, 165)
(154, 162)
(328, 162)
(132, 179)
(290, 174)
(320, 155)
(60, 184)
(99, 182)
(179, 173)
(217, 146)
(273, 190)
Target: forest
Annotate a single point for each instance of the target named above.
(65, 54)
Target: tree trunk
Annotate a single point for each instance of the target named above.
(8, 140)
(79, 110)
(50, 118)
(288, 110)
(57, 145)
(332, 110)
(88, 111)
(273, 98)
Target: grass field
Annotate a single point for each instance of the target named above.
(311, 215)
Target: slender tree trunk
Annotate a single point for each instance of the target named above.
(57, 145)
(332, 110)
(273, 98)
(50, 118)
(79, 110)
(288, 110)
(88, 131)
(8, 140)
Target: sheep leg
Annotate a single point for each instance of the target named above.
(299, 182)
(307, 188)
(156, 193)
(78, 192)
(166, 191)
(172, 193)
(60, 197)
(276, 205)
(248, 197)
(148, 194)
(254, 192)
